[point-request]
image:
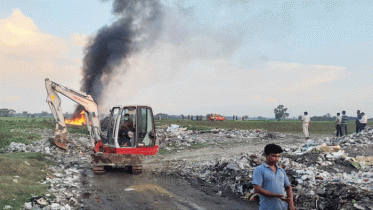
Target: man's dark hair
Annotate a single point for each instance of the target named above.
(362, 113)
(343, 112)
(338, 114)
(305, 113)
(358, 111)
(272, 148)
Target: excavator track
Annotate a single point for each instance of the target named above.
(98, 170)
(136, 169)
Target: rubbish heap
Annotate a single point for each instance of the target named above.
(325, 173)
(174, 135)
(65, 181)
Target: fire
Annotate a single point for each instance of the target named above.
(77, 120)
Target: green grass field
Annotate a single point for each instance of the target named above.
(21, 177)
(14, 129)
(30, 168)
(323, 127)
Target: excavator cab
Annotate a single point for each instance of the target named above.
(131, 127)
(130, 137)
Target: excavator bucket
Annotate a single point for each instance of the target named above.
(60, 139)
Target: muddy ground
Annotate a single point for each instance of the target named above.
(121, 190)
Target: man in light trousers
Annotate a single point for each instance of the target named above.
(306, 124)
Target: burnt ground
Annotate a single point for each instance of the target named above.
(150, 191)
(359, 150)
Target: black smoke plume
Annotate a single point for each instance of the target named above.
(137, 27)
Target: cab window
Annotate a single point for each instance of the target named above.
(126, 133)
(146, 128)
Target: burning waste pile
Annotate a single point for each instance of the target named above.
(65, 180)
(328, 173)
(174, 135)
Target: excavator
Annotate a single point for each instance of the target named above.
(127, 138)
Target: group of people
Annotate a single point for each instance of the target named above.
(190, 117)
(340, 123)
(361, 121)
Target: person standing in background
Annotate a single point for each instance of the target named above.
(306, 124)
(344, 123)
(363, 121)
(338, 122)
(357, 121)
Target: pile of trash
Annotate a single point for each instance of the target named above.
(72, 165)
(322, 173)
(175, 135)
(325, 173)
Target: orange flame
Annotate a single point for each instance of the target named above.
(77, 120)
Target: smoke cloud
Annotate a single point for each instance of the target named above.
(137, 27)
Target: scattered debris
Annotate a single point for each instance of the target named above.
(322, 174)
(326, 173)
(27, 206)
(65, 182)
(174, 135)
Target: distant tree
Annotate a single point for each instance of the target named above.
(4, 112)
(12, 112)
(24, 113)
(260, 118)
(43, 113)
(280, 112)
(328, 117)
(7, 112)
(300, 117)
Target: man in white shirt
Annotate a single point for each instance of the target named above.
(338, 123)
(306, 124)
(363, 121)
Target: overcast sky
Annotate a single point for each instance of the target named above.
(218, 56)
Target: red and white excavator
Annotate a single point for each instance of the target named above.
(129, 136)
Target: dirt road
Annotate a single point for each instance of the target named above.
(121, 190)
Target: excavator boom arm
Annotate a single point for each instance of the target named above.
(90, 106)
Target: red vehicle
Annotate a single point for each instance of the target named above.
(216, 117)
